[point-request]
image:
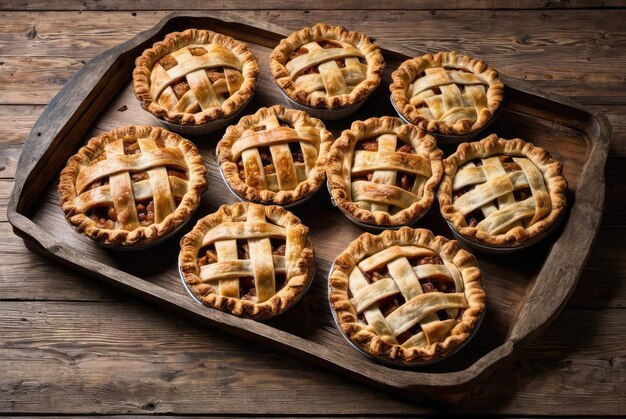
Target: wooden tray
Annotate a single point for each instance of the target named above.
(526, 290)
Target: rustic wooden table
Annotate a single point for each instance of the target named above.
(71, 345)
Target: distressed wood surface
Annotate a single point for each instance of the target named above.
(303, 5)
(82, 350)
(579, 38)
(71, 342)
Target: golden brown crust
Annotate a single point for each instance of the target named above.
(340, 159)
(363, 336)
(411, 69)
(321, 139)
(321, 31)
(300, 267)
(68, 195)
(144, 65)
(492, 145)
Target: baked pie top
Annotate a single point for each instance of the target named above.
(195, 76)
(447, 93)
(248, 259)
(406, 295)
(502, 192)
(132, 185)
(384, 172)
(326, 66)
(275, 156)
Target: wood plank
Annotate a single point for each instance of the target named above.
(172, 365)
(35, 80)
(6, 186)
(113, 5)
(547, 47)
(17, 121)
(8, 162)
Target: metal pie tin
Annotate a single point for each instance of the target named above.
(502, 250)
(374, 227)
(398, 363)
(141, 246)
(295, 301)
(207, 128)
(450, 139)
(323, 113)
(293, 204)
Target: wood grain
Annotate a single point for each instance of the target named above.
(552, 377)
(617, 117)
(546, 47)
(615, 200)
(603, 282)
(34, 80)
(25, 275)
(17, 121)
(112, 5)
(83, 351)
(554, 123)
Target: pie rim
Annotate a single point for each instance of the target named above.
(197, 184)
(491, 145)
(294, 287)
(409, 70)
(370, 342)
(177, 40)
(375, 127)
(320, 31)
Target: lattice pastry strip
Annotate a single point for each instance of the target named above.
(277, 155)
(384, 172)
(406, 296)
(327, 67)
(492, 184)
(195, 77)
(164, 203)
(419, 307)
(447, 93)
